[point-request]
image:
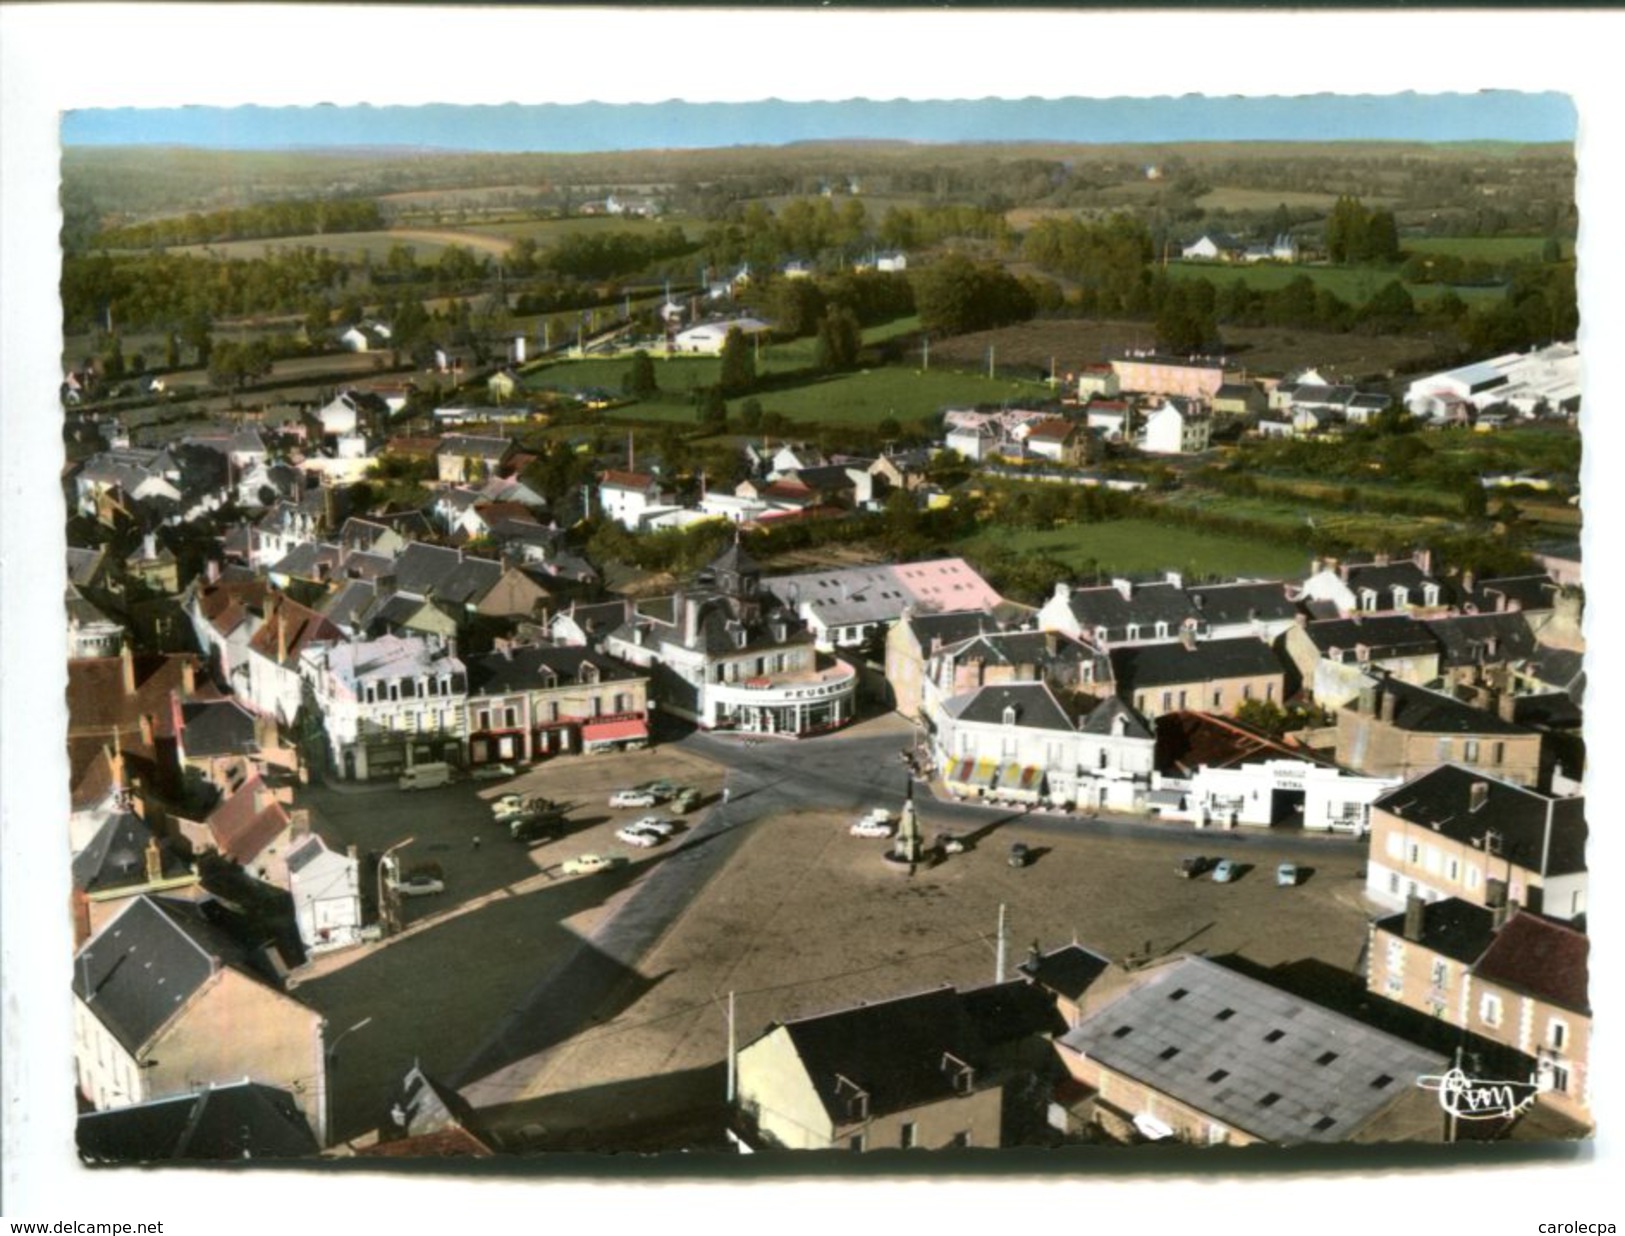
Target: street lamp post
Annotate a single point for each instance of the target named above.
(384, 917)
(329, 1058)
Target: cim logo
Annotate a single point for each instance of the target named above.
(1467, 1098)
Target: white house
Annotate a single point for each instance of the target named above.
(1178, 427)
(630, 497)
(707, 338)
(1014, 742)
(1549, 376)
(1253, 794)
(387, 703)
(326, 890)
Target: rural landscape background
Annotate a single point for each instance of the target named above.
(445, 227)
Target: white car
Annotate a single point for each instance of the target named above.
(876, 824)
(586, 864)
(419, 886)
(658, 825)
(494, 772)
(640, 837)
(632, 798)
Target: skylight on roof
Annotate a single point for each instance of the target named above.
(1275, 1036)
(1122, 1032)
(1218, 1075)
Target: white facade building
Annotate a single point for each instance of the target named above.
(326, 891)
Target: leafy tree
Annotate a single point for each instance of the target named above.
(956, 295)
(317, 319)
(839, 339)
(112, 360)
(1381, 238)
(1552, 250)
(738, 372)
(750, 414)
(711, 408)
(1475, 504)
(640, 381)
(1390, 311)
(888, 428)
(172, 351)
(797, 306)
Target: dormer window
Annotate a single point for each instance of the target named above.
(1100, 635)
(961, 1075)
(1402, 596)
(1368, 599)
(1430, 594)
(1162, 630)
(853, 1097)
(1009, 714)
(1134, 630)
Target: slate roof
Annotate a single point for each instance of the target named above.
(1475, 639)
(216, 727)
(1418, 710)
(475, 445)
(1157, 665)
(599, 618)
(1252, 1056)
(951, 627)
(116, 857)
(427, 1118)
(1452, 928)
(531, 667)
(244, 1120)
(1383, 635)
(1103, 716)
(893, 1050)
(1529, 592)
(1068, 971)
(1534, 955)
(345, 607)
(1224, 604)
(1036, 708)
(145, 963)
(1442, 801)
(1146, 605)
(84, 566)
(1383, 580)
(450, 574)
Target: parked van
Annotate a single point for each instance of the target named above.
(426, 777)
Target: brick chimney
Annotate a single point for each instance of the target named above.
(155, 862)
(1506, 706)
(148, 730)
(188, 678)
(1415, 917)
(127, 662)
(1389, 703)
(1477, 795)
(1187, 639)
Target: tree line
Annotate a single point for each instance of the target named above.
(295, 217)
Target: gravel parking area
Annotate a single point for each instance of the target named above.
(807, 918)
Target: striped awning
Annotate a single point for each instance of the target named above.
(614, 731)
(971, 773)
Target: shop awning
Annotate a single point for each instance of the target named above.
(614, 731)
(970, 773)
(1165, 798)
(1018, 782)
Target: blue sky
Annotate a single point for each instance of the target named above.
(1488, 115)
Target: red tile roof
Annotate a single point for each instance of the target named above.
(225, 605)
(1055, 427)
(1542, 958)
(244, 824)
(628, 480)
(298, 625)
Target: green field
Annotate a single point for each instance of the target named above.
(1353, 284)
(353, 246)
(1140, 546)
(548, 231)
(1487, 248)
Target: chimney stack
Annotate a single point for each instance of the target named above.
(127, 659)
(147, 729)
(1506, 706)
(155, 861)
(1415, 914)
(1187, 639)
(1389, 704)
(188, 678)
(1477, 795)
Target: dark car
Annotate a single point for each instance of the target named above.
(1192, 865)
(1019, 854)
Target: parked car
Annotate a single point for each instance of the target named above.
(425, 776)
(419, 886)
(952, 844)
(658, 825)
(534, 826)
(1224, 871)
(1286, 875)
(1191, 866)
(877, 823)
(632, 798)
(586, 864)
(685, 800)
(663, 788)
(493, 772)
(1020, 855)
(510, 805)
(640, 837)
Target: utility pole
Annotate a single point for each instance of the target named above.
(925, 352)
(998, 967)
(990, 351)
